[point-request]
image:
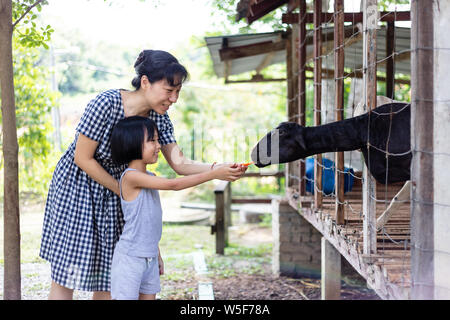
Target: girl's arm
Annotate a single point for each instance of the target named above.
(137, 179)
(184, 166)
(84, 158)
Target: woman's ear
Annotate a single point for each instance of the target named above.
(145, 83)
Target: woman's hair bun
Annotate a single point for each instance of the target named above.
(140, 58)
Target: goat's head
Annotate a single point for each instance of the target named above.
(283, 144)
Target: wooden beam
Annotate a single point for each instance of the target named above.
(318, 198)
(231, 53)
(292, 5)
(302, 87)
(370, 98)
(223, 207)
(329, 74)
(293, 104)
(266, 61)
(289, 182)
(402, 196)
(339, 104)
(354, 17)
(331, 272)
(390, 68)
(254, 80)
(263, 7)
(422, 165)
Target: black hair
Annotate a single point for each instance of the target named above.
(127, 138)
(158, 65)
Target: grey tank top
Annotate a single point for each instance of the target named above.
(143, 222)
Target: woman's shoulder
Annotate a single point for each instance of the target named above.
(111, 95)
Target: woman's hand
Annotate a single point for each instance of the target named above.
(84, 158)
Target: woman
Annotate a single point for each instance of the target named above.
(83, 219)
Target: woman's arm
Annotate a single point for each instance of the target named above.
(84, 158)
(136, 179)
(179, 163)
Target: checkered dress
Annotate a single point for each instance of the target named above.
(83, 220)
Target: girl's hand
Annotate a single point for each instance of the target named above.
(161, 265)
(227, 172)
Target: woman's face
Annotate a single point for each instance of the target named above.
(151, 149)
(160, 95)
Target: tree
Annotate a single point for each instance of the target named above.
(21, 11)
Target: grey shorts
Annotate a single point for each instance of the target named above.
(133, 275)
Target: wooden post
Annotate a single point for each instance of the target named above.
(422, 212)
(317, 98)
(390, 68)
(290, 100)
(11, 216)
(370, 22)
(302, 85)
(223, 209)
(339, 103)
(292, 167)
(441, 149)
(331, 272)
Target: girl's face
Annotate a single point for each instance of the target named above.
(160, 95)
(151, 149)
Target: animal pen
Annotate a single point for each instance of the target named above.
(394, 235)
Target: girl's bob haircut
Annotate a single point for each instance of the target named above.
(127, 138)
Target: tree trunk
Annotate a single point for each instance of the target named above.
(12, 281)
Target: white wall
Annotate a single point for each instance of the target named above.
(441, 149)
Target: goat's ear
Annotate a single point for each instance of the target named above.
(300, 137)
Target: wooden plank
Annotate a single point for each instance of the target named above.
(263, 7)
(339, 104)
(317, 98)
(221, 223)
(422, 210)
(231, 53)
(354, 17)
(302, 87)
(390, 69)
(331, 272)
(292, 5)
(370, 96)
(289, 182)
(294, 111)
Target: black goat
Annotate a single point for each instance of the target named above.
(385, 128)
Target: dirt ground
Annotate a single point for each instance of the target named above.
(266, 286)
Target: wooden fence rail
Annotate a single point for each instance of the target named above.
(222, 219)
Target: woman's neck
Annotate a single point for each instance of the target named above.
(134, 104)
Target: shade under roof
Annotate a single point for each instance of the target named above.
(353, 50)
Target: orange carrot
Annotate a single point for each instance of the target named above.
(247, 163)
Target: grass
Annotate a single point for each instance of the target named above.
(177, 244)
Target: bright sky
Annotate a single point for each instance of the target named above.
(141, 24)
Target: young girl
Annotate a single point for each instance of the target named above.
(136, 264)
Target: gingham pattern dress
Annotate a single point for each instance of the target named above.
(83, 220)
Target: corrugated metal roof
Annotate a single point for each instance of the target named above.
(353, 50)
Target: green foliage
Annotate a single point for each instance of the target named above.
(272, 20)
(34, 101)
(33, 98)
(27, 32)
(384, 4)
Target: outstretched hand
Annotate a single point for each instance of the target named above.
(230, 171)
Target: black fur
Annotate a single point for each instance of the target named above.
(389, 126)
